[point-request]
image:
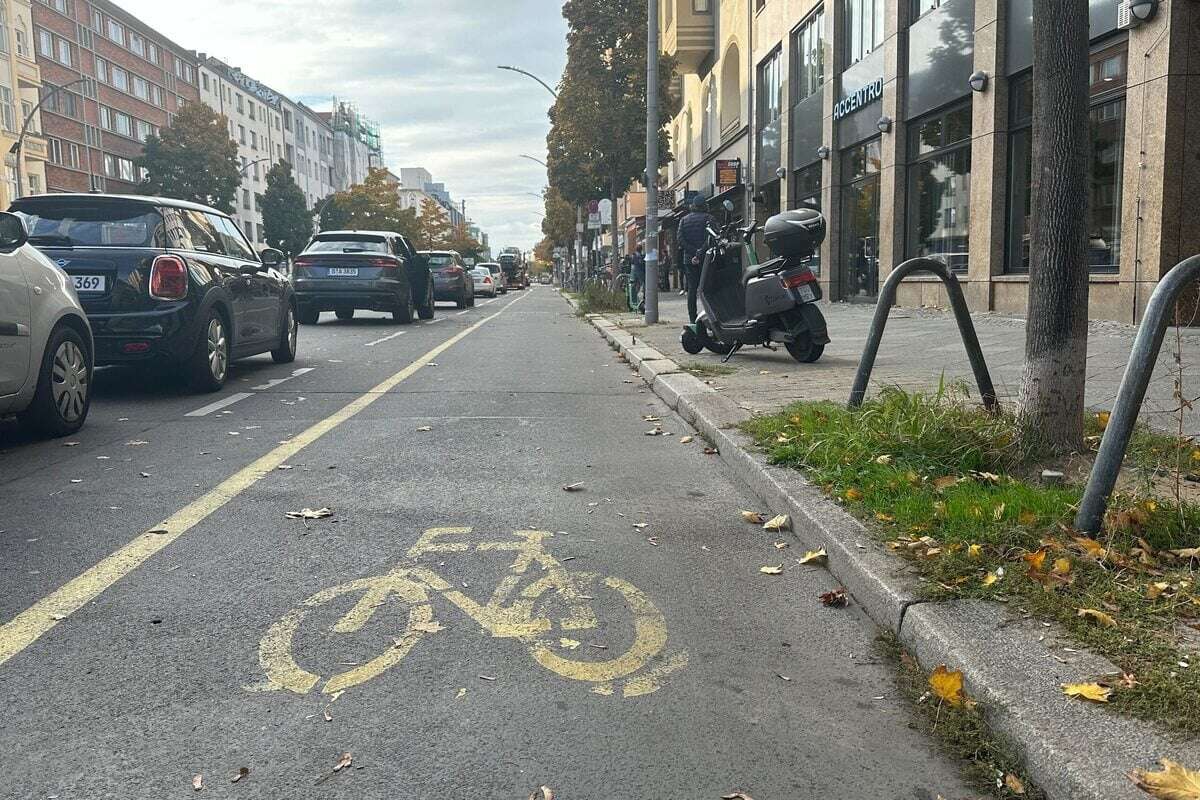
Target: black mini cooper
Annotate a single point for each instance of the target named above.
(166, 282)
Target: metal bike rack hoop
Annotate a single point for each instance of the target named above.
(1138, 371)
(966, 328)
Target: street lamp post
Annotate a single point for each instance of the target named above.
(250, 164)
(19, 145)
(518, 70)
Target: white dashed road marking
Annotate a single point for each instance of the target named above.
(237, 397)
(385, 339)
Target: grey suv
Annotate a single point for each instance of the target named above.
(342, 271)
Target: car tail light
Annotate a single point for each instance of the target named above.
(487, 280)
(455, 271)
(381, 262)
(799, 278)
(168, 278)
(302, 261)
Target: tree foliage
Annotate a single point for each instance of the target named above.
(597, 142)
(287, 223)
(372, 205)
(435, 230)
(462, 242)
(193, 159)
(559, 224)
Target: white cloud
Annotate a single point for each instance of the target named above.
(426, 71)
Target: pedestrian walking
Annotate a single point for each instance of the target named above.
(693, 234)
(639, 275)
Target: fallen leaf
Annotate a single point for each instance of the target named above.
(1102, 418)
(814, 555)
(993, 576)
(425, 429)
(687, 440)
(778, 523)
(711, 451)
(753, 516)
(771, 570)
(198, 782)
(1062, 566)
(461, 694)
(1036, 559)
(325, 713)
(945, 482)
(1087, 691)
(70, 444)
(882, 517)
(432, 626)
(784, 677)
(308, 513)
(343, 762)
(1174, 782)
(1014, 784)
(1027, 518)
(975, 552)
(947, 684)
(853, 495)
(1097, 616)
(542, 793)
(242, 773)
(1186, 553)
(1090, 546)
(736, 796)
(1156, 590)
(1128, 680)
(573, 487)
(137, 443)
(781, 545)
(568, 644)
(835, 599)
(883, 460)
(487, 677)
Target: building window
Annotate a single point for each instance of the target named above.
(808, 47)
(770, 90)
(156, 95)
(706, 116)
(204, 80)
(1105, 166)
(45, 43)
(35, 184)
(7, 112)
(731, 89)
(72, 156)
(250, 109)
(806, 192)
(137, 44)
(102, 69)
(864, 28)
(939, 186)
(141, 88)
(116, 32)
(55, 148)
(22, 40)
(59, 5)
(922, 7)
(241, 106)
(242, 134)
(700, 6)
(119, 78)
(152, 53)
(97, 21)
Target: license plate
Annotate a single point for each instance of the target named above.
(343, 272)
(806, 293)
(89, 283)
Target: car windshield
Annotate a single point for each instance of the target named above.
(97, 224)
(349, 244)
(440, 260)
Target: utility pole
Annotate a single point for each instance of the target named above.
(652, 162)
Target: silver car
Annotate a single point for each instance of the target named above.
(46, 351)
(485, 282)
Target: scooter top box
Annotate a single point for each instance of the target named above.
(796, 233)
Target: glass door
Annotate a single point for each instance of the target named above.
(860, 223)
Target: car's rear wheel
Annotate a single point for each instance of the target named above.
(64, 389)
(344, 313)
(308, 316)
(471, 299)
(425, 310)
(461, 302)
(288, 338)
(208, 367)
(403, 314)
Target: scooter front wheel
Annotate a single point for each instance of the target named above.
(691, 341)
(805, 350)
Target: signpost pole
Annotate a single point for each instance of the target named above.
(652, 162)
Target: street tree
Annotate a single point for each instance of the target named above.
(372, 205)
(193, 159)
(1052, 387)
(462, 242)
(434, 228)
(287, 221)
(559, 224)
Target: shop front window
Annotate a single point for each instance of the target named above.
(939, 188)
(806, 192)
(1105, 164)
(860, 221)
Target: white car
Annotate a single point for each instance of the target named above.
(485, 282)
(46, 350)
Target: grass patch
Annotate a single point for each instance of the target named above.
(952, 489)
(598, 299)
(704, 370)
(961, 731)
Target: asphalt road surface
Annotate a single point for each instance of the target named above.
(461, 626)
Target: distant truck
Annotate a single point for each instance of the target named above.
(516, 272)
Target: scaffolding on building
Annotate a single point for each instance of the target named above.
(348, 119)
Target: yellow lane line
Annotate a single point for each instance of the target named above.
(32, 623)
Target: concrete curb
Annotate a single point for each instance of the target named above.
(1015, 667)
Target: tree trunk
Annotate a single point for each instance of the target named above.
(1052, 387)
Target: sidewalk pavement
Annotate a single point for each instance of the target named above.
(920, 347)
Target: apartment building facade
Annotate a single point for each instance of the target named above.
(109, 82)
(908, 123)
(20, 85)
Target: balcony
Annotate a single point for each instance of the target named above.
(687, 35)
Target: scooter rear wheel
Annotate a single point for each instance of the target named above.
(805, 350)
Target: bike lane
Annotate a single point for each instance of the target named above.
(618, 660)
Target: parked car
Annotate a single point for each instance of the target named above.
(46, 350)
(342, 271)
(484, 284)
(166, 282)
(497, 276)
(451, 278)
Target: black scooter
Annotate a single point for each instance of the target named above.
(763, 304)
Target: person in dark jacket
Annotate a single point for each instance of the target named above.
(693, 233)
(639, 273)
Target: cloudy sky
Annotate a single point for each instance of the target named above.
(425, 70)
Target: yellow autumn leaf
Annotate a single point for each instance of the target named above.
(881, 517)
(1036, 559)
(975, 552)
(753, 516)
(814, 555)
(1062, 566)
(1102, 418)
(778, 523)
(947, 684)
(1196, 454)
(1090, 546)
(1087, 691)
(771, 570)
(883, 460)
(994, 576)
(1156, 590)
(944, 482)
(1014, 784)
(853, 495)
(1173, 782)
(1096, 616)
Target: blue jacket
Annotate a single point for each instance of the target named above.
(693, 232)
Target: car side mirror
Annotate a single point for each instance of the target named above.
(13, 233)
(271, 257)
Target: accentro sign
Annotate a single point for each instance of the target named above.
(863, 96)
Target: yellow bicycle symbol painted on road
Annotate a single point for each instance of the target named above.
(539, 610)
